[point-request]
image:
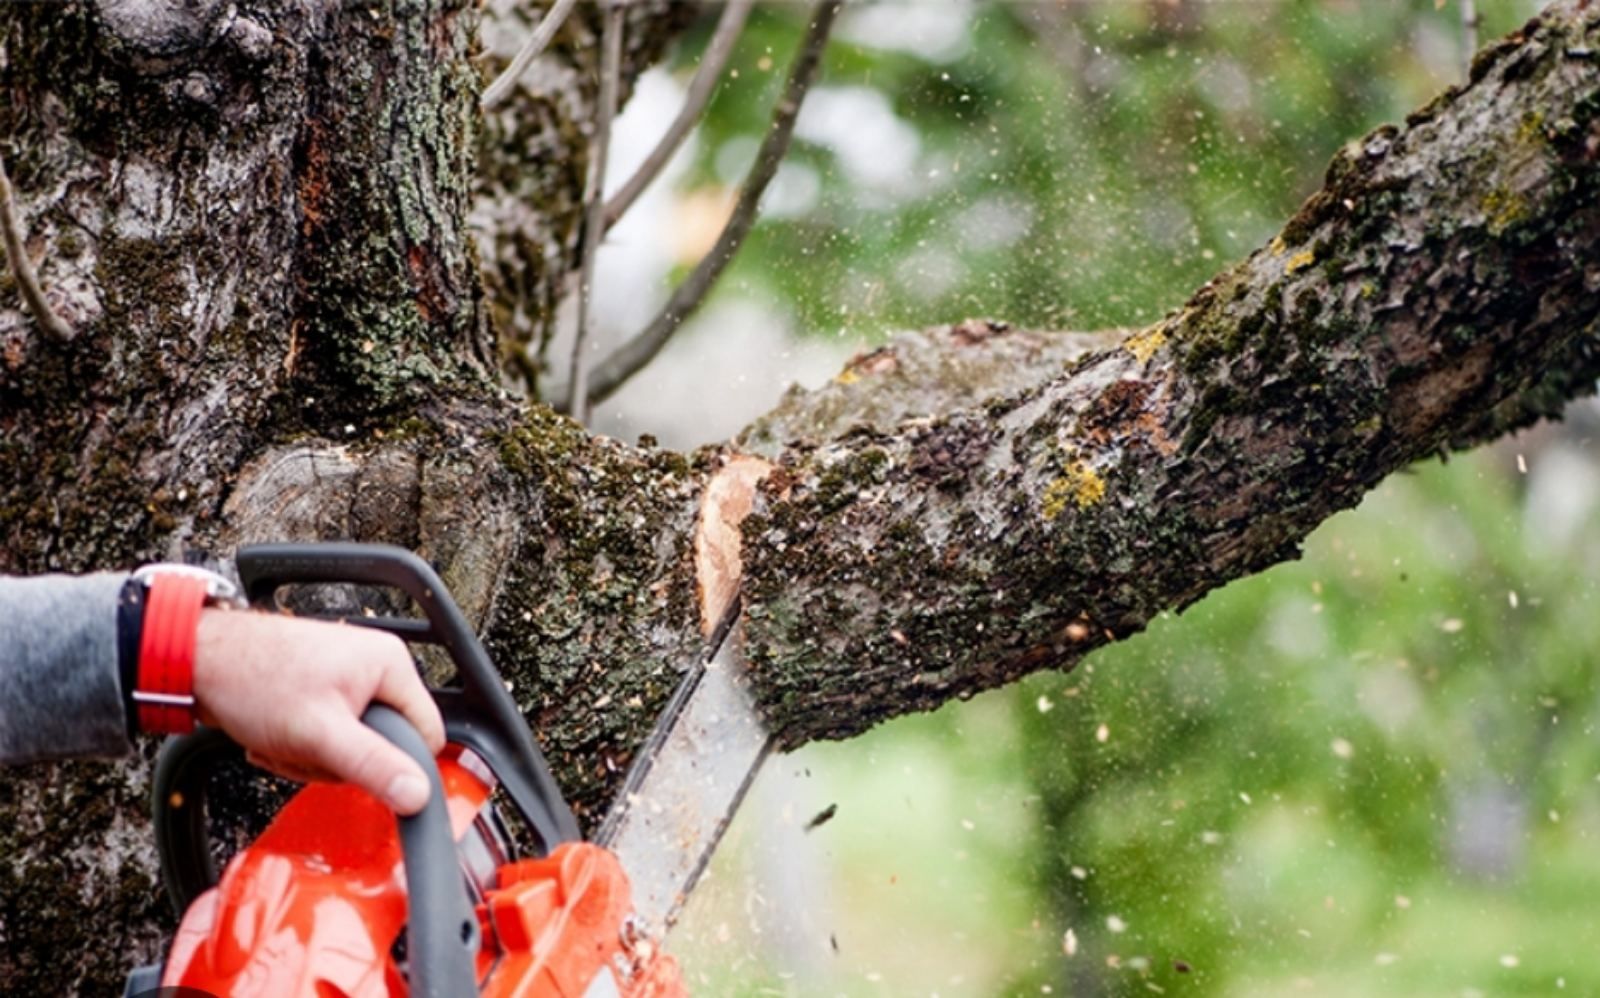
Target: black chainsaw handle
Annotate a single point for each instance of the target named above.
(442, 931)
(485, 717)
(266, 568)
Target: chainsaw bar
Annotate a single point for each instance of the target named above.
(687, 782)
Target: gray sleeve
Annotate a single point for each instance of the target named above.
(60, 688)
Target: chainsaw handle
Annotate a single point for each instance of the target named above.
(486, 719)
(442, 930)
(178, 811)
(266, 568)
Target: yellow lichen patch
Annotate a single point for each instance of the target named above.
(1079, 484)
(1056, 495)
(1531, 128)
(1300, 261)
(1144, 345)
(1503, 209)
(1277, 245)
(848, 376)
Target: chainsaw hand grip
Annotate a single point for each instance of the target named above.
(443, 935)
(442, 941)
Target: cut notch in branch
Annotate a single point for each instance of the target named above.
(594, 202)
(22, 267)
(728, 498)
(627, 360)
(704, 84)
(536, 43)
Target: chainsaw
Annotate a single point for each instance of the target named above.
(339, 898)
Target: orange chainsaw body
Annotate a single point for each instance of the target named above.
(315, 905)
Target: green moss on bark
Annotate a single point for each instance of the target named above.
(597, 616)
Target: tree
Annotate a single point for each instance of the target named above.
(255, 224)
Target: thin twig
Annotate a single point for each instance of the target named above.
(628, 359)
(22, 267)
(1469, 34)
(595, 204)
(526, 366)
(546, 30)
(704, 84)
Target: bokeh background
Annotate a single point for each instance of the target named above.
(1373, 771)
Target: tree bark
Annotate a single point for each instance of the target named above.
(257, 223)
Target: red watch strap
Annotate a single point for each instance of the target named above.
(165, 690)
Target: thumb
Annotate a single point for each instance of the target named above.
(356, 754)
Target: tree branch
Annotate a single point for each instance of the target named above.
(1469, 36)
(22, 267)
(531, 178)
(628, 359)
(704, 84)
(922, 375)
(536, 43)
(1444, 283)
(594, 206)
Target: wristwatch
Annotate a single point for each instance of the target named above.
(160, 679)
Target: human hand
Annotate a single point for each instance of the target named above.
(291, 691)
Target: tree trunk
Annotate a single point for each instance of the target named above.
(257, 223)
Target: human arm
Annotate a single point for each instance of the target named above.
(60, 694)
(290, 691)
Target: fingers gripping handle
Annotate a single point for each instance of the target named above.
(481, 715)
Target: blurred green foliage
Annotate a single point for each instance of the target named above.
(1077, 165)
(1373, 771)
(1375, 765)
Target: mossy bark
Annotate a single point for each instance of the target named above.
(255, 216)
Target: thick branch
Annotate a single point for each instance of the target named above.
(920, 375)
(1444, 282)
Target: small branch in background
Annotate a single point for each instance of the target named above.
(704, 84)
(594, 202)
(536, 43)
(1469, 35)
(527, 367)
(628, 359)
(22, 267)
